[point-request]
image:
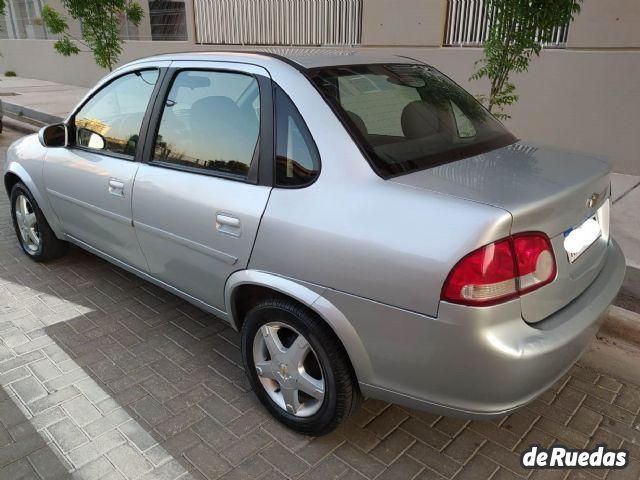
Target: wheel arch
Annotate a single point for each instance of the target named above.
(17, 173)
(244, 284)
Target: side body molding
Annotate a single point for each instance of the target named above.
(310, 295)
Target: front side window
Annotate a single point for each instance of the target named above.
(210, 122)
(111, 120)
(297, 159)
(409, 117)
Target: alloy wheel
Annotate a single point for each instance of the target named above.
(288, 369)
(27, 224)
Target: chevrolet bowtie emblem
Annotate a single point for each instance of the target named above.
(592, 201)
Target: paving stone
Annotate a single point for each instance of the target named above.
(20, 470)
(67, 434)
(171, 470)
(433, 459)
(330, 468)
(283, 460)
(54, 399)
(465, 445)
(359, 460)
(387, 421)
(389, 449)
(137, 435)
(21, 449)
(81, 410)
(426, 434)
(214, 434)
(29, 389)
(478, 467)
(11, 414)
(44, 370)
(246, 446)
(179, 422)
(207, 461)
(129, 461)
(49, 462)
(96, 448)
(106, 423)
(217, 408)
(98, 468)
(404, 467)
(320, 447)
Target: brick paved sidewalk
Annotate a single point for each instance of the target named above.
(106, 376)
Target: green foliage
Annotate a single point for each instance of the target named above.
(10, 73)
(100, 27)
(518, 31)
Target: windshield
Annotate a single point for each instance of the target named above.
(409, 117)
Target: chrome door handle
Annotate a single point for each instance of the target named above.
(228, 225)
(116, 187)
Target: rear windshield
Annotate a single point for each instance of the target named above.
(409, 117)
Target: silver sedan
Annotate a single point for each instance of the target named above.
(368, 227)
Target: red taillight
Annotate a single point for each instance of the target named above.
(501, 270)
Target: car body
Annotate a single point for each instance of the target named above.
(366, 245)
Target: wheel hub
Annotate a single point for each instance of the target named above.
(282, 370)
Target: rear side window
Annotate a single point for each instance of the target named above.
(409, 117)
(297, 159)
(210, 122)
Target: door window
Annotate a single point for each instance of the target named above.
(111, 120)
(210, 122)
(297, 159)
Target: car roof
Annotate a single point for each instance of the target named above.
(301, 58)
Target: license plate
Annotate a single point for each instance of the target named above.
(578, 239)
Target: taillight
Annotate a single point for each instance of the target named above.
(501, 270)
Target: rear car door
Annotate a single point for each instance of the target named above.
(90, 182)
(205, 182)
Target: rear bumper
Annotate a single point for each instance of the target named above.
(476, 362)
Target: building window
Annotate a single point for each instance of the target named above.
(469, 24)
(23, 19)
(168, 20)
(278, 22)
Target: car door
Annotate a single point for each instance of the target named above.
(201, 191)
(90, 182)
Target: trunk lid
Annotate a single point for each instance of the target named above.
(543, 189)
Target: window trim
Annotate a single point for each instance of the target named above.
(314, 146)
(264, 148)
(70, 121)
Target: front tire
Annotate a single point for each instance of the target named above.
(34, 233)
(297, 367)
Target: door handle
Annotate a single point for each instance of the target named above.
(227, 224)
(116, 187)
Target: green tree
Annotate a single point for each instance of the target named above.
(518, 31)
(100, 27)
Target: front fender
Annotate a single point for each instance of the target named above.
(309, 295)
(25, 159)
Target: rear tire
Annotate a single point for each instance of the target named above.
(324, 386)
(34, 233)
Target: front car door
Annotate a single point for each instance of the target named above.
(198, 197)
(90, 182)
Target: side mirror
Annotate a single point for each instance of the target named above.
(54, 135)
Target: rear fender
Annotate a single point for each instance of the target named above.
(309, 295)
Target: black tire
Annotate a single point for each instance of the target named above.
(50, 246)
(341, 395)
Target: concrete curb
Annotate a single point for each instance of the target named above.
(19, 126)
(622, 324)
(21, 110)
